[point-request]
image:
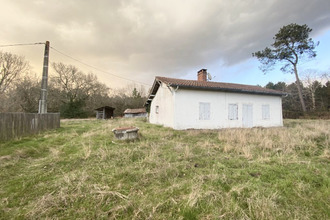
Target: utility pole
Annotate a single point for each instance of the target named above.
(44, 82)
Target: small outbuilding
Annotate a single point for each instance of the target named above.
(135, 113)
(105, 112)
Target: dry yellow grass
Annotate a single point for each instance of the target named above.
(278, 141)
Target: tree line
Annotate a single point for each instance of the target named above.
(71, 92)
(316, 95)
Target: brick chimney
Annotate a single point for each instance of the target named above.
(202, 75)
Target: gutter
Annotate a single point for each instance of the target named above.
(169, 86)
(230, 90)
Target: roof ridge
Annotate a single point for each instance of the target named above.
(218, 85)
(211, 82)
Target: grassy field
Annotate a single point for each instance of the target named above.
(81, 172)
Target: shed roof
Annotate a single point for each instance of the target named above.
(213, 86)
(104, 107)
(135, 111)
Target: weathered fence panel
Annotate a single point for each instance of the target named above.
(14, 125)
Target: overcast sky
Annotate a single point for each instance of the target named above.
(142, 39)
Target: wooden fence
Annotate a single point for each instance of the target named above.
(14, 125)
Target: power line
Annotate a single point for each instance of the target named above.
(86, 64)
(14, 45)
(98, 69)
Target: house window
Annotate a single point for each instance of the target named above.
(204, 111)
(233, 112)
(265, 112)
(157, 109)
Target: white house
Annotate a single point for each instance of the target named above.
(201, 104)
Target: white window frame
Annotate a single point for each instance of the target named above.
(157, 109)
(265, 110)
(204, 111)
(233, 111)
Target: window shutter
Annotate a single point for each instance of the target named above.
(232, 112)
(204, 111)
(265, 112)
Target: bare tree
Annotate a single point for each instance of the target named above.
(310, 78)
(78, 91)
(313, 80)
(11, 66)
(27, 93)
(130, 89)
(131, 96)
(68, 79)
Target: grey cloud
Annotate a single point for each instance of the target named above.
(148, 37)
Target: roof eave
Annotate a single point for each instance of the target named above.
(153, 91)
(106, 107)
(228, 90)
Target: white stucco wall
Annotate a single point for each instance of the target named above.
(186, 109)
(165, 101)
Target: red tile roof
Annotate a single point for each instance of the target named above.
(212, 86)
(229, 87)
